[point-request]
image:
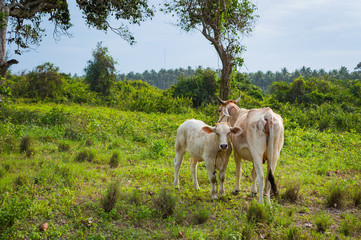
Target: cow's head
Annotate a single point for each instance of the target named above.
(225, 107)
(223, 131)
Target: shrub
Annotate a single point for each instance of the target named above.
(294, 233)
(256, 213)
(25, 144)
(13, 208)
(110, 197)
(201, 87)
(348, 225)
(335, 197)
(63, 147)
(356, 197)
(44, 82)
(248, 231)
(164, 203)
(202, 215)
(85, 155)
(322, 222)
(292, 193)
(114, 160)
(136, 197)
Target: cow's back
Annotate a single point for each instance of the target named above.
(255, 133)
(191, 138)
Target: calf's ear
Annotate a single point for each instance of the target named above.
(208, 129)
(236, 131)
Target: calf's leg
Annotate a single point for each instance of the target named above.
(212, 178)
(177, 164)
(222, 175)
(193, 165)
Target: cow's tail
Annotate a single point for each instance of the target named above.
(270, 129)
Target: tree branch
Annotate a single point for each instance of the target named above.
(31, 8)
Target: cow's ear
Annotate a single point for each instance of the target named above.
(236, 131)
(208, 129)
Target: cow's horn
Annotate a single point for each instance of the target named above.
(221, 101)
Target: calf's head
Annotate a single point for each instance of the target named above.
(223, 131)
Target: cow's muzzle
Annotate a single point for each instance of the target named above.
(223, 146)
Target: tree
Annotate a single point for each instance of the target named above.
(358, 67)
(223, 23)
(20, 20)
(100, 72)
(201, 87)
(44, 82)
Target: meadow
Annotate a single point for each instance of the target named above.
(92, 172)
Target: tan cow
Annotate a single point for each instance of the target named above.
(204, 143)
(261, 141)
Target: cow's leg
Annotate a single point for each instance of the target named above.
(193, 165)
(238, 162)
(177, 164)
(222, 176)
(257, 165)
(254, 183)
(271, 167)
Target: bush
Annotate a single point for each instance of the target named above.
(85, 155)
(322, 222)
(257, 213)
(63, 147)
(44, 82)
(114, 160)
(111, 196)
(292, 193)
(201, 87)
(202, 215)
(348, 225)
(335, 197)
(25, 144)
(165, 202)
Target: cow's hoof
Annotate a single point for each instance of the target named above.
(236, 192)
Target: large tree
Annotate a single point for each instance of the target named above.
(223, 23)
(20, 20)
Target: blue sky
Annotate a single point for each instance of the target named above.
(289, 33)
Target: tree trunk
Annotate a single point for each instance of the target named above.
(4, 66)
(226, 73)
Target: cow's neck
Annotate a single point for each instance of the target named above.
(235, 112)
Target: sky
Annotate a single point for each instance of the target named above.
(320, 34)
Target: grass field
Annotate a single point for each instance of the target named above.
(100, 173)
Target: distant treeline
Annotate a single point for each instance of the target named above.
(305, 98)
(164, 79)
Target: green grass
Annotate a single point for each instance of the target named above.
(67, 181)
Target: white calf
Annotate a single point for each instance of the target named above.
(204, 143)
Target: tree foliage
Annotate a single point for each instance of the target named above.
(20, 20)
(100, 72)
(223, 23)
(44, 82)
(201, 87)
